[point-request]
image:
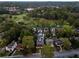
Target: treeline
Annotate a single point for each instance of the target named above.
(10, 30)
(38, 4)
(73, 6)
(55, 14)
(50, 13)
(3, 11)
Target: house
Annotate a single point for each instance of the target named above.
(12, 9)
(46, 29)
(53, 31)
(39, 30)
(58, 44)
(29, 9)
(40, 37)
(75, 38)
(77, 30)
(55, 42)
(11, 46)
(19, 47)
(49, 41)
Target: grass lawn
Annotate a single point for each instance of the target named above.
(18, 18)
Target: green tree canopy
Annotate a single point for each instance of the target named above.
(66, 43)
(27, 41)
(47, 51)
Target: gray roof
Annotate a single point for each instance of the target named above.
(57, 42)
(10, 45)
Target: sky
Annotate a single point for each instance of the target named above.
(39, 0)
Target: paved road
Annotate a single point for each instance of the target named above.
(57, 54)
(66, 53)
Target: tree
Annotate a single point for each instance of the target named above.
(68, 30)
(51, 13)
(47, 51)
(26, 18)
(71, 19)
(28, 44)
(66, 43)
(76, 23)
(27, 41)
(75, 43)
(3, 42)
(3, 53)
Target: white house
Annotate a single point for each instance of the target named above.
(11, 47)
(29, 9)
(40, 37)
